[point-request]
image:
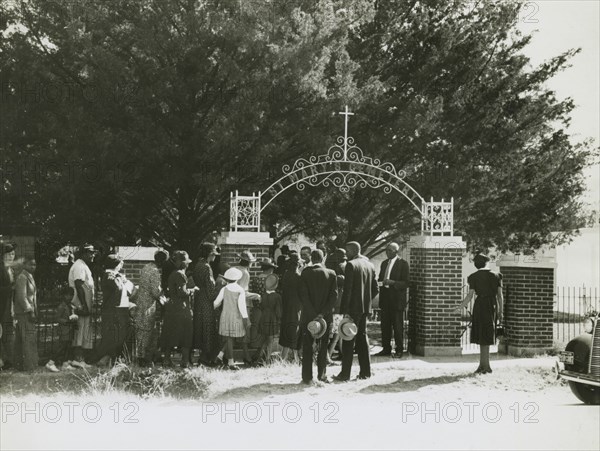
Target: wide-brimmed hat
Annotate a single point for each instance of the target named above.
(266, 262)
(181, 257)
(347, 329)
(271, 282)
(317, 327)
(233, 274)
(247, 255)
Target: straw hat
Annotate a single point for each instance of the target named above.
(347, 329)
(233, 274)
(247, 255)
(317, 327)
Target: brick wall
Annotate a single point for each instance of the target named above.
(435, 290)
(132, 269)
(229, 254)
(528, 304)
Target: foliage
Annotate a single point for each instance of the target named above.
(132, 121)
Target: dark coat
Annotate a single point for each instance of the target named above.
(360, 287)
(318, 292)
(394, 297)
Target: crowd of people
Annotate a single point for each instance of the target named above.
(315, 303)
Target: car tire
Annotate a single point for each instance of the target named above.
(588, 394)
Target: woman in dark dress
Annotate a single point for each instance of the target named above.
(487, 287)
(178, 324)
(291, 305)
(206, 330)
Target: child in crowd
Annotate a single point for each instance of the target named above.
(234, 317)
(67, 322)
(270, 306)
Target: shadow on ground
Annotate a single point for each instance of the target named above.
(403, 385)
(260, 391)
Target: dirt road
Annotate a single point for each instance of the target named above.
(407, 404)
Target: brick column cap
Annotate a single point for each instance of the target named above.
(245, 238)
(437, 242)
(544, 258)
(136, 253)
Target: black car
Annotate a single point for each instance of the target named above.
(579, 363)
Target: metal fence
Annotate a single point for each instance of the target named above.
(571, 306)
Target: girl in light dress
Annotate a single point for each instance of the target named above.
(234, 317)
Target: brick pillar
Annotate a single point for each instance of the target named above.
(435, 290)
(232, 243)
(528, 302)
(134, 259)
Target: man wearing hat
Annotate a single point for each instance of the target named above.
(318, 293)
(82, 282)
(360, 287)
(393, 278)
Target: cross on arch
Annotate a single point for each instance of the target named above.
(346, 114)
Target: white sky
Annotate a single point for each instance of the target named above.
(562, 25)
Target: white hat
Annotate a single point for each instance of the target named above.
(347, 329)
(233, 274)
(317, 327)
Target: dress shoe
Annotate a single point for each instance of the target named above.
(363, 377)
(397, 355)
(325, 380)
(339, 378)
(233, 367)
(383, 353)
(307, 381)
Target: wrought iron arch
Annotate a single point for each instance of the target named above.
(344, 166)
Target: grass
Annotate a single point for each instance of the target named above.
(122, 378)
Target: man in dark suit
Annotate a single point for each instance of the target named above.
(318, 292)
(360, 287)
(392, 300)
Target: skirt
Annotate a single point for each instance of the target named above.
(483, 327)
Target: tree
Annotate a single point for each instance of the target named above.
(131, 121)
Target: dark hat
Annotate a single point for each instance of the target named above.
(181, 257)
(480, 260)
(162, 252)
(8, 247)
(112, 261)
(88, 248)
(207, 249)
(266, 263)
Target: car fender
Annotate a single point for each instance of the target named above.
(581, 347)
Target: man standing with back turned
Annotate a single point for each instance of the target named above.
(360, 287)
